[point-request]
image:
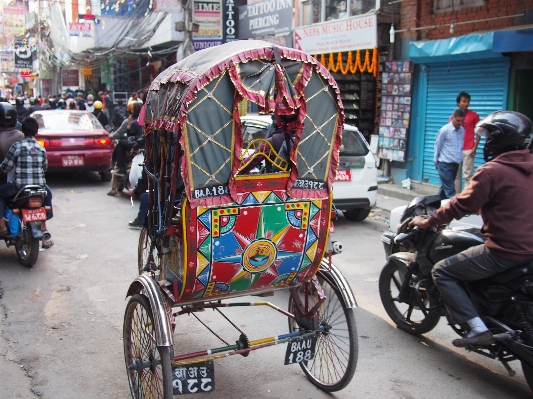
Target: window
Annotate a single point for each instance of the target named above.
(455, 5)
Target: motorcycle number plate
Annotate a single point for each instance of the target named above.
(72, 160)
(34, 215)
(343, 175)
(193, 378)
(300, 349)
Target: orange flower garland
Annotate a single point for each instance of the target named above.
(370, 66)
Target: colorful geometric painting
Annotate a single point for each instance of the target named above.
(262, 242)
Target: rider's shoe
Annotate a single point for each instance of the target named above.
(136, 223)
(481, 339)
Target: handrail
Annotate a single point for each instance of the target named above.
(158, 183)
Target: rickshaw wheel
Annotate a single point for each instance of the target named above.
(336, 351)
(143, 251)
(147, 365)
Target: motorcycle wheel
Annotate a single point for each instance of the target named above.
(27, 247)
(406, 315)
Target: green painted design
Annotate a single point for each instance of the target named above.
(306, 262)
(274, 218)
(205, 247)
(242, 284)
(313, 210)
(273, 198)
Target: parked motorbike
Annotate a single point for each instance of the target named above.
(26, 212)
(504, 301)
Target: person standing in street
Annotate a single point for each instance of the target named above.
(448, 152)
(471, 141)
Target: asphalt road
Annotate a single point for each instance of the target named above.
(61, 324)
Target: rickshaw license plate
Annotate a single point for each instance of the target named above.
(194, 378)
(300, 349)
(343, 175)
(72, 160)
(33, 215)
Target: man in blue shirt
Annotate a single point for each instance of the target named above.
(449, 152)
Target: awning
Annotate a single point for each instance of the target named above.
(461, 48)
(513, 40)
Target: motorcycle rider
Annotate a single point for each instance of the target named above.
(497, 190)
(99, 113)
(9, 134)
(28, 158)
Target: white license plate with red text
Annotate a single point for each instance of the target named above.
(34, 215)
(343, 175)
(72, 160)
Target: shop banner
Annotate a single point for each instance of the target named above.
(269, 17)
(13, 22)
(168, 6)
(348, 34)
(208, 14)
(7, 61)
(80, 29)
(23, 55)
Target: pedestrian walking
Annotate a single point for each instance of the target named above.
(471, 141)
(448, 152)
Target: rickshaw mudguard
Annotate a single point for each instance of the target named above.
(330, 271)
(148, 287)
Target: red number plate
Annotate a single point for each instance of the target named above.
(343, 175)
(34, 215)
(72, 160)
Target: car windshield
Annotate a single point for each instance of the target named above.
(64, 120)
(254, 130)
(353, 144)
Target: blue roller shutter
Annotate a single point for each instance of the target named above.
(487, 84)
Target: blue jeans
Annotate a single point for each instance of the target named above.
(447, 174)
(143, 207)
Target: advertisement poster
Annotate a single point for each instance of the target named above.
(347, 34)
(13, 22)
(208, 14)
(7, 61)
(269, 17)
(395, 113)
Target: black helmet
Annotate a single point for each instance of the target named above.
(504, 131)
(8, 115)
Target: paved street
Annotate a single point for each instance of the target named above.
(62, 320)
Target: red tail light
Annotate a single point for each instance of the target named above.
(35, 202)
(43, 142)
(102, 141)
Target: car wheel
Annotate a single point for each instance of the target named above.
(356, 215)
(106, 176)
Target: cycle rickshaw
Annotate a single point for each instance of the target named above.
(233, 233)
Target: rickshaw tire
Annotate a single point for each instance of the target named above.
(351, 328)
(163, 351)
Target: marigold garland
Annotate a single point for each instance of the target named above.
(351, 67)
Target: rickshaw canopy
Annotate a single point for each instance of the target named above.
(198, 99)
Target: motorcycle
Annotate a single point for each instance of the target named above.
(26, 213)
(504, 301)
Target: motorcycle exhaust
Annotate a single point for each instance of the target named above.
(46, 236)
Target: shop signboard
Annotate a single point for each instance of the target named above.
(346, 34)
(13, 22)
(168, 6)
(268, 17)
(70, 78)
(231, 19)
(395, 113)
(208, 15)
(23, 54)
(80, 29)
(7, 61)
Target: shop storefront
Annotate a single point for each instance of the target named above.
(444, 68)
(348, 49)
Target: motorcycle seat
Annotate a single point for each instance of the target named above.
(511, 274)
